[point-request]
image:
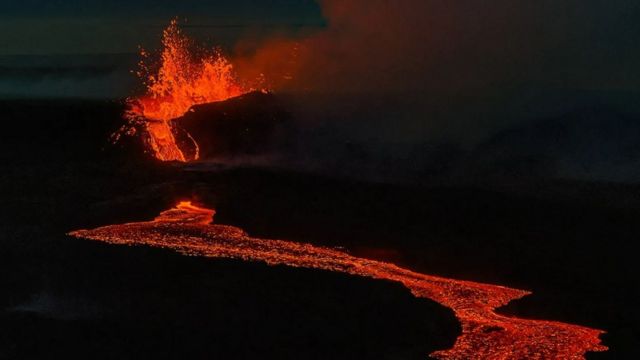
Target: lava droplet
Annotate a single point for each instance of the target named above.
(485, 334)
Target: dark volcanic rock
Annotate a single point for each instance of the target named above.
(574, 244)
(151, 303)
(249, 125)
(594, 144)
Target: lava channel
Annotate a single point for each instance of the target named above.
(485, 334)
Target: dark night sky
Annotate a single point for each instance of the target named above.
(80, 26)
(240, 8)
(589, 44)
(455, 69)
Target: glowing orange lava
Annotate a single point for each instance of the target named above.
(485, 334)
(182, 80)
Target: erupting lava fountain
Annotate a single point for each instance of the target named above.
(182, 80)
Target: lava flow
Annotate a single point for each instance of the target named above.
(182, 80)
(485, 334)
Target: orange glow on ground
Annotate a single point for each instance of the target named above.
(485, 334)
(182, 80)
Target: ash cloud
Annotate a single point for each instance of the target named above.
(455, 69)
(452, 46)
(407, 84)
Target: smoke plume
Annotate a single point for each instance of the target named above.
(452, 68)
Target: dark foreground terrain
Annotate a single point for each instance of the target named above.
(572, 244)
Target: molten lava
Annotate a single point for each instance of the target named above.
(485, 334)
(182, 80)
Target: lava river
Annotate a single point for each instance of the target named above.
(485, 334)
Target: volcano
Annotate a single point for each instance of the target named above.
(313, 254)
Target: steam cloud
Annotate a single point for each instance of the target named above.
(400, 84)
(456, 45)
(452, 66)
